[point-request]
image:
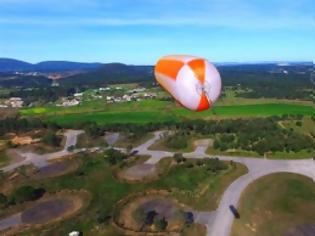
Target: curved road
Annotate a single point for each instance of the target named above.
(42, 160)
(219, 222)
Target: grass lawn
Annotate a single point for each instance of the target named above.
(85, 141)
(308, 126)
(162, 145)
(159, 111)
(274, 204)
(303, 154)
(124, 141)
(237, 152)
(97, 177)
(197, 187)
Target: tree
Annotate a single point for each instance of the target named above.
(51, 139)
(115, 156)
(3, 200)
(178, 157)
(27, 193)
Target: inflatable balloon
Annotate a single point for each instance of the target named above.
(192, 81)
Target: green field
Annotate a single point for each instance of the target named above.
(274, 204)
(159, 111)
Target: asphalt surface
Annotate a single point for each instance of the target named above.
(218, 222)
(43, 160)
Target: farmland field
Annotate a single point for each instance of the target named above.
(159, 111)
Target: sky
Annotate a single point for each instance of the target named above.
(142, 31)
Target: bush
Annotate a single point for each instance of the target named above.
(160, 224)
(51, 139)
(189, 164)
(27, 193)
(3, 200)
(115, 156)
(177, 141)
(178, 157)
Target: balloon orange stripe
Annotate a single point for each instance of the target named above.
(204, 103)
(169, 67)
(198, 67)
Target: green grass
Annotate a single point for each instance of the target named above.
(107, 191)
(159, 111)
(274, 204)
(123, 140)
(86, 141)
(308, 125)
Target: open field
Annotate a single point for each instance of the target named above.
(86, 141)
(276, 204)
(159, 111)
(96, 176)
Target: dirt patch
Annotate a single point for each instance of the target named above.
(51, 208)
(302, 230)
(138, 172)
(203, 142)
(23, 140)
(46, 211)
(135, 214)
(56, 169)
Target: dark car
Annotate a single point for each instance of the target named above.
(134, 152)
(234, 212)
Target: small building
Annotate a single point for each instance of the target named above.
(126, 98)
(69, 103)
(78, 94)
(15, 102)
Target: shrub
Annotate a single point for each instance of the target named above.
(27, 193)
(51, 139)
(160, 224)
(3, 200)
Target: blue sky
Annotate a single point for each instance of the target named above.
(141, 31)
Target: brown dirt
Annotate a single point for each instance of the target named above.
(23, 140)
(138, 172)
(48, 209)
(57, 168)
(203, 142)
(164, 205)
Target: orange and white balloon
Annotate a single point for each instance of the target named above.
(192, 81)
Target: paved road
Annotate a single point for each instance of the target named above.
(10, 222)
(42, 160)
(111, 138)
(220, 222)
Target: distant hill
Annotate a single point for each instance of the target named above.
(112, 73)
(12, 65)
(8, 65)
(96, 74)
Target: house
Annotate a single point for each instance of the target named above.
(69, 103)
(15, 102)
(78, 94)
(126, 98)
